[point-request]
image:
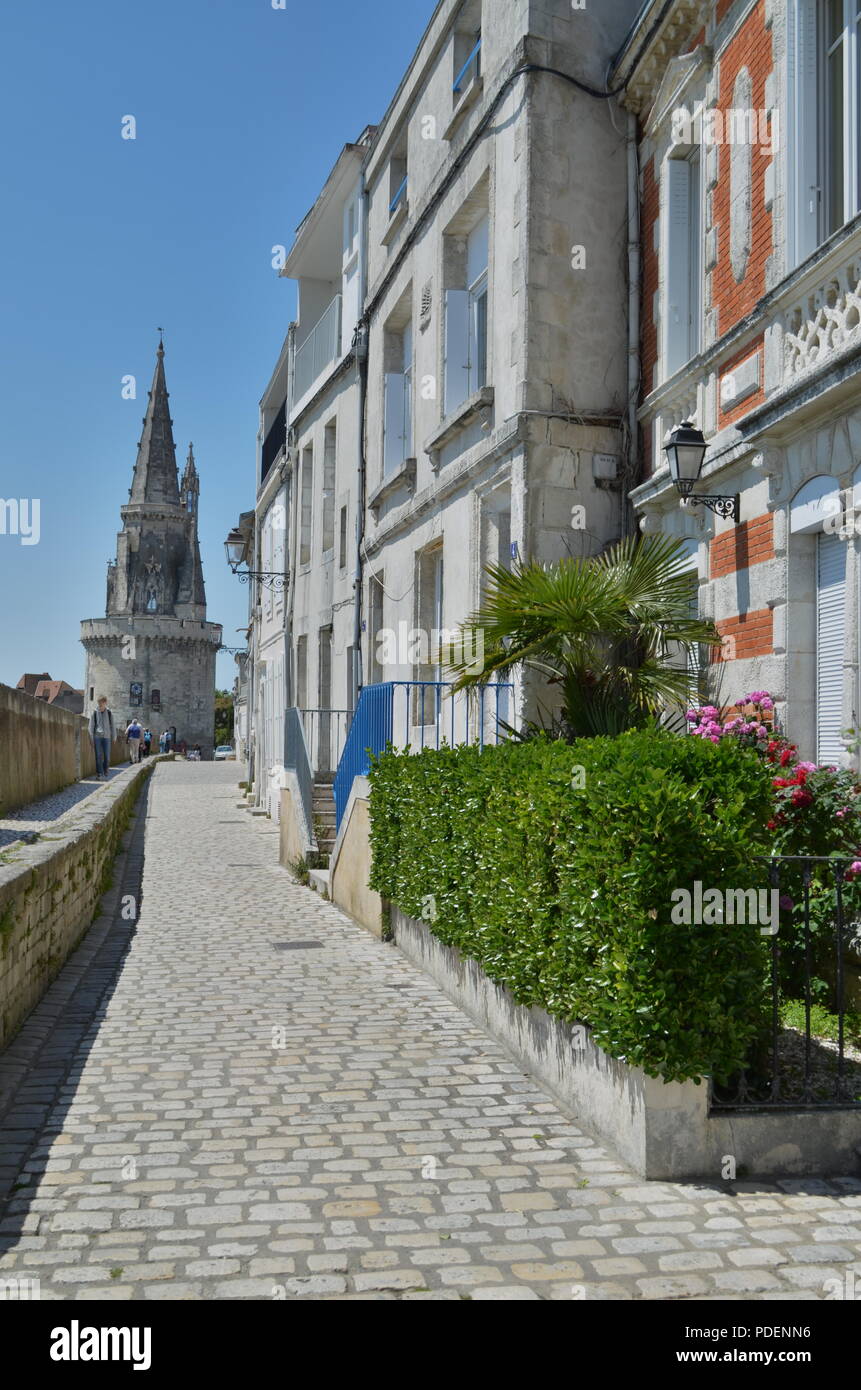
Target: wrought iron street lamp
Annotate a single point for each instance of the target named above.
(236, 547)
(685, 450)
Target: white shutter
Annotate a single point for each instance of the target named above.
(393, 451)
(477, 251)
(830, 646)
(677, 266)
(456, 348)
(802, 144)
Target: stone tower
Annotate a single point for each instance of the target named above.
(153, 654)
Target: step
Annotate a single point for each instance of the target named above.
(318, 879)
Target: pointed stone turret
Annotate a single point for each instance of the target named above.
(190, 485)
(153, 654)
(155, 477)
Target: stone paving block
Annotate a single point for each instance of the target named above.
(290, 1173)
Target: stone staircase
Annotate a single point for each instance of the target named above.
(323, 812)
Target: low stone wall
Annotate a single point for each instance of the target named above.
(50, 890)
(295, 842)
(42, 749)
(662, 1130)
(351, 862)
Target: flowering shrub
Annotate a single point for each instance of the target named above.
(816, 811)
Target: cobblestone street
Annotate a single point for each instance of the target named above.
(252, 1098)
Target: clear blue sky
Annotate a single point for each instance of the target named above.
(241, 111)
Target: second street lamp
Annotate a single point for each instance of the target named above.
(236, 548)
(685, 450)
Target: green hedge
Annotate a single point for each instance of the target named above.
(563, 893)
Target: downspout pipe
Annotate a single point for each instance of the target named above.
(634, 299)
(361, 350)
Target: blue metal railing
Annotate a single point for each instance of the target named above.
(296, 756)
(399, 195)
(473, 59)
(422, 722)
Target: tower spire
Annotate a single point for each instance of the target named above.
(155, 478)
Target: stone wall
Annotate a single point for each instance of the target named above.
(50, 890)
(663, 1130)
(42, 749)
(174, 656)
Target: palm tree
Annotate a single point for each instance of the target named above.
(602, 630)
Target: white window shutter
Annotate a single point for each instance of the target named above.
(803, 144)
(830, 646)
(477, 251)
(456, 348)
(677, 266)
(393, 452)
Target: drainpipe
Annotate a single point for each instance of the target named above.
(634, 287)
(361, 349)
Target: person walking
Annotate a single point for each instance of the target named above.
(147, 742)
(133, 739)
(162, 742)
(102, 733)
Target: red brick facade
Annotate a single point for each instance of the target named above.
(748, 544)
(751, 48)
(750, 634)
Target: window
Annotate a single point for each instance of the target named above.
(398, 180)
(267, 564)
(495, 534)
(91, 692)
(466, 323)
(342, 539)
(427, 702)
(329, 458)
(323, 761)
(351, 229)
(375, 614)
(278, 515)
(840, 112)
(825, 143)
(830, 646)
(302, 673)
(135, 694)
(307, 494)
(155, 699)
(682, 263)
(467, 61)
(398, 404)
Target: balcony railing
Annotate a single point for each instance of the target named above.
(417, 715)
(322, 346)
(325, 735)
(470, 70)
(275, 441)
(401, 193)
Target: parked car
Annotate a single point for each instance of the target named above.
(223, 752)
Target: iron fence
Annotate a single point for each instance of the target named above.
(808, 1055)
